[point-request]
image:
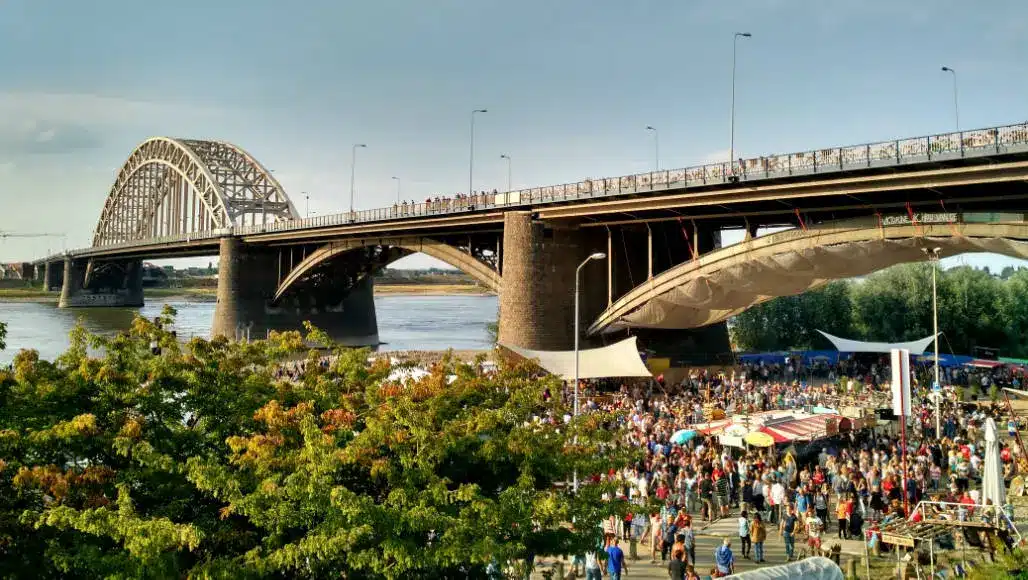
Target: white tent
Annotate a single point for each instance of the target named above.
(814, 568)
(992, 477)
(847, 345)
(620, 359)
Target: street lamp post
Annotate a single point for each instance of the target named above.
(578, 272)
(656, 146)
(735, 46)
(933, 257)
(397, 179)
(353, 172)
(471, 161)
(306, 204)
(956, 103)
(507, 157)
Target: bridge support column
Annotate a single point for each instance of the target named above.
(101, 284)
(247, 280)
(694, 346)
(53, 276)
(537, 296)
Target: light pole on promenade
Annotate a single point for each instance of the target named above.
(471, 160)
(656, 146)
(507, 157)
(397, 180)
(578, 275)
(933, 257)
(956, 103)
(735, 47)
(353, 172)
(307, 204)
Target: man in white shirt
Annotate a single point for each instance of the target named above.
(778, 497)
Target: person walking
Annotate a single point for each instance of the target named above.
(724, 559)
(758, 534)
(744, 534)
(615, 560)
(689, 543)
(676, 567)
(787, 529)
(592, 566)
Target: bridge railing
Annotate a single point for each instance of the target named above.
(942, 147)
(898, 152)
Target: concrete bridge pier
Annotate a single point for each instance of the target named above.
(53, 276)
(537, 295)
(88, 283)
(247, 281)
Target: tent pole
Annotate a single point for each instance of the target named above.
(931, 555)
(867, 559)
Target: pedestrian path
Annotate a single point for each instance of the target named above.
(708, 537)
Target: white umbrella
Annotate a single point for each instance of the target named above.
(992, 479)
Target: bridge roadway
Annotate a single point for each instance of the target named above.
(176, 198)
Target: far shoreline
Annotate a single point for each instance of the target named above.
(36, 295)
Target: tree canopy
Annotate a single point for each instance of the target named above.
(975, 309)
(199, 462)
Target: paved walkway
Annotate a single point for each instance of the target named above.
(708, 538)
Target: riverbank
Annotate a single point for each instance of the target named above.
(209, 294)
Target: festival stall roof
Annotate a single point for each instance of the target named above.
(985, 364)
(847, 345)
(620, 359)
(803, 429)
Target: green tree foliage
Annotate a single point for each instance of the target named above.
(975, 309)
(3, 336)
(199, 463)
(793, 321)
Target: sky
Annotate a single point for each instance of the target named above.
(569, 85)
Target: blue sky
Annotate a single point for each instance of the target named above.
(570, 86)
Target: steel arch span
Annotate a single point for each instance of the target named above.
(179, 186)
(728, 281)
(483, 273)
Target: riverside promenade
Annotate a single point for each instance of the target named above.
(709, 537)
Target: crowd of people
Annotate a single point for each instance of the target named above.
(843, 485)
(444, 204)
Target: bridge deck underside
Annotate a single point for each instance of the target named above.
(726, 282)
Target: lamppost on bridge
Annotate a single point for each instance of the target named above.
(507, 157)
(353, 172)
(578, 275)
(656, 146)
(956, 103)
(471, 161)
(397, 180)
(933, 257)
(306, 204)
(735, 47)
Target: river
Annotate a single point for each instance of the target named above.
(405, 322)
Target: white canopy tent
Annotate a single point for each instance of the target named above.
(847, 345)
(620, 359)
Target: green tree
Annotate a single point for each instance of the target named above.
(793, 321)
(200, 463)
(3, 336)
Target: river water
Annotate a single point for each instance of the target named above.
(405, 322)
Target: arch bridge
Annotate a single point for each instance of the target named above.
(724, 282)
(666, 276)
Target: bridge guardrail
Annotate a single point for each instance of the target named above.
(940, 147)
